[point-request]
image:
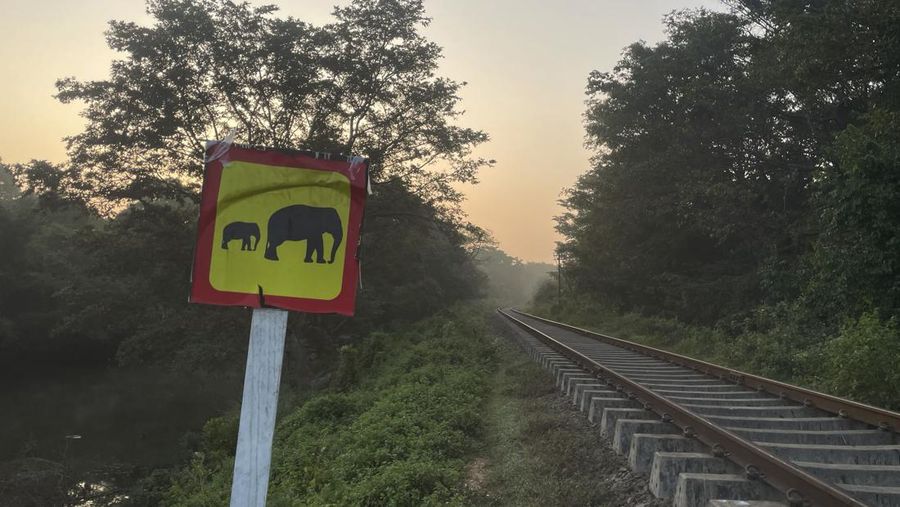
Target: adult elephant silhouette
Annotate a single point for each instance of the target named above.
(300, 222)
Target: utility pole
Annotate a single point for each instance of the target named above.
(558, 280)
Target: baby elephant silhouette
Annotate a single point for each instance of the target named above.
(300, 222)
(242, 231)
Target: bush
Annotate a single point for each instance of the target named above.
(861, 363)
(397, 433)
(220, 435)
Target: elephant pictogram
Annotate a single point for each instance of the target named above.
(242, 231)
(300, 222)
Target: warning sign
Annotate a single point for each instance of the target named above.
(279, 229)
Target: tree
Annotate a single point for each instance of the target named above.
(8, 188)
(837, 66)
(365, 83)
(696, 180)
(511, 281)
(42, 231)
(749, 159)
(854, 266)
(832, 59)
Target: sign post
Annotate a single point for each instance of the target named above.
(259, 405)
(306, 213)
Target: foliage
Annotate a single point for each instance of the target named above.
(8, 188)
(690, 192)
(744, 192)
(397, 435)
(198, 485)
(414, 261)
(861, 362)
(858, 363)
(855, 261)
(364, 83)
(38, 266)
(511, 281)
(120, 283)
(735, 158)
(97, 251)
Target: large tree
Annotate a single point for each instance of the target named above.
(748, 158)
(364, 84)
(695, 180)
(836, 64)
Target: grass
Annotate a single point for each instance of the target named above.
(396, 429)
(538, 451)
(858, 362)
(444, 413)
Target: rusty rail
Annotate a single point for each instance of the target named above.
(800, 488)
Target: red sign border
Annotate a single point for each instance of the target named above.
(201, 289)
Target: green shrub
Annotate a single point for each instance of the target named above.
(202, 484)
(409, 482)
(862, 362)
(398, 432)
(220, 435)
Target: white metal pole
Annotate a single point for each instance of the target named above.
(258, 407)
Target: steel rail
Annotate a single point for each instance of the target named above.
(878, 417)
(799, 487)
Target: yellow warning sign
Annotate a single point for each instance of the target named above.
(281, 229)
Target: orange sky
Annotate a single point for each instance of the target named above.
(526, 62)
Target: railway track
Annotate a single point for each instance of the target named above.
(711, 436)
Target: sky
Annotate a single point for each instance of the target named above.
(526, 63)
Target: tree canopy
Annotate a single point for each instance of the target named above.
(746, 159)
(365, 83)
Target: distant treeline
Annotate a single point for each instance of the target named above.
(746, 176)
(510, 280)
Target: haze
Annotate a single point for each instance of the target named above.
(526, 63)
